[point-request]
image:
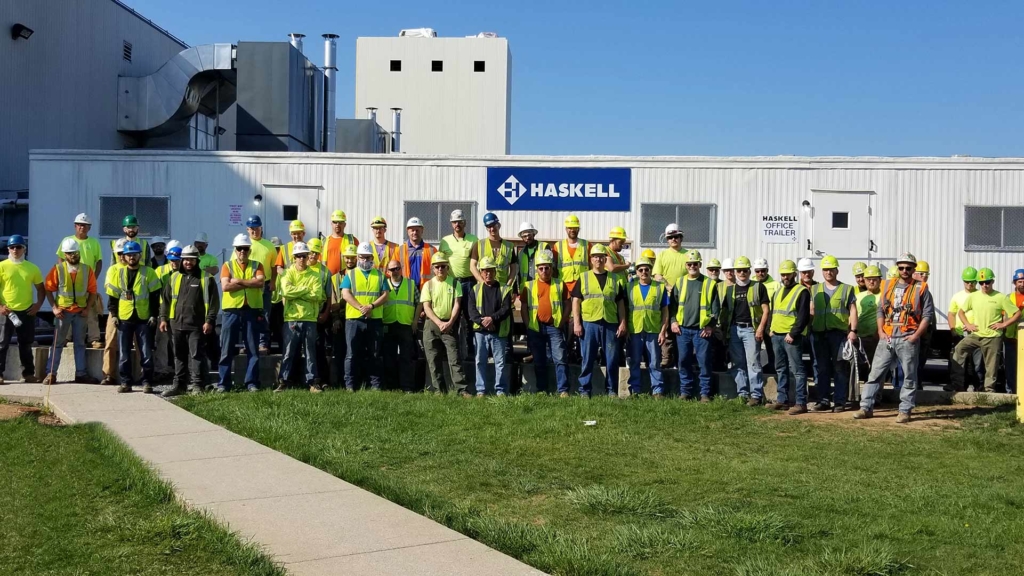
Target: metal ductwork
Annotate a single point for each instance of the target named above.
(396, 130)
(331, 92)
(296, 41)
(164, 102)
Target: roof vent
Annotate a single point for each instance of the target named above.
(418, 33)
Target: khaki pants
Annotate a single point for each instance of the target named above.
(990, 349)
(110, 351)
(92, 321)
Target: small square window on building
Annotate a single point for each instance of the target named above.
(290, 212)
(396, 65)
(840, 220)
(478, 66)
(437, 65)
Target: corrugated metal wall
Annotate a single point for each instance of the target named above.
(917, 205)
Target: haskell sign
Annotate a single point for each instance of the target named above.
(779, 229)
(559, 189)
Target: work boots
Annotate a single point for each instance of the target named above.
(173, 391)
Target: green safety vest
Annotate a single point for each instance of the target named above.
(830, 314)
(401, 304)
(867, 310)
(506, 324)
(146, 282)
(175, 280)
(772, 286)
(75, 292)
(238, 298)
(600, 304)
(527, 268)
(707, 286)
(365, 289)
(784, 309)
(533, 300)
(645, 313)
(164, 272)
(502, 258)
(571, 268)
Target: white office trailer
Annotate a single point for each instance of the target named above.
(952, 212)
(455, 94)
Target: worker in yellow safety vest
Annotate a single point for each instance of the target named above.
(74, 284)
(697, 310)
(500, 251)
(339, 316)
(867, 317)
(188, 310)
(572, 255)
(791, 317)
(600, 320)
(616, 242)
(401, 313)
(384, 250)
(542, 309)
(92, 256)
(134, 302)
(648, 327)
(365, 293)
(241, 280)
(834, 311)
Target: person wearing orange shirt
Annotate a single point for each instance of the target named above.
(74, 283)
(336, 243)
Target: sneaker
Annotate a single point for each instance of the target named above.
(563, 394)
(777, 406)
(124, 388)
(147, 388)
(31, 379)
(86, 380)
(221, 390)
(822, 406)
(252, 388)
(50, 379)
(797, 409)
(97, 345)
(754, 402)
(705, 399)
(862, 414)
(903, 418)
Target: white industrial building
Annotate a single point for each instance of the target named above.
(952, 212)
(455, 93)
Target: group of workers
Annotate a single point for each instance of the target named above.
(366, 301)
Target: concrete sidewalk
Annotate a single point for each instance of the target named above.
(307, 519)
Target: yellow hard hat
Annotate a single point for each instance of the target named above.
(338, 216)
(741, 262)
(316, 245)
(872, 272)
(350, 250)
(859, 268)
(829, 262)
(571, 221)
(439, 258)
(378, 222)
(643, 262)
(922, 266)
(892, 273)
(487, 263)
(296, 226)
(544, 257)
(649, 254)
(617, 233)
(714, 263)
(693, 256)
(598, 250)
(787, 267)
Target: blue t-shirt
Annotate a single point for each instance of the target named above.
(366, 274)
(415, 254)
(644, 289)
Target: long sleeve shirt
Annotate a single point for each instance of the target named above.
(802, 307)
(303, 295)
(497, 307)
(189, 313)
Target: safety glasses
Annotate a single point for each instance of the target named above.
(241, 249)
(394, 269)
(905, 268)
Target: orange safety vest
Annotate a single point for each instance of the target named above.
(425, 257)
(909, 309)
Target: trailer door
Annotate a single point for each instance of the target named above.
(841, 224)
(282, 204)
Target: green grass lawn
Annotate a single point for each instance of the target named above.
(667, 487)
(75, 500)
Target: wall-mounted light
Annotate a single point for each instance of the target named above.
(21, 31)
(220, 131)
(807, 206)
(257, 199)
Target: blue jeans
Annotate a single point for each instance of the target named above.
(690, 345)
(265, 325)
(1010, 363)
(497, 346)
(362, 340)
(746, 362)
(906, 355)
(301, 339)
(239, 324)
(789, 364)
(645, 347)
(600, 335)
(127, 333)
(74, 323)
(539, 343)
(828, 364)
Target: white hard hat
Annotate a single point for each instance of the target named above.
(189, 251)
(119, 245)
(728, 264)
(83, 218)
(527, 227)
(760, 264)
(242, 240)
(364, 249)
(804, 265)
(173, 244)
(157, 240)
(69, 245)
(414, 221)
(672, 228)
(202, 237)
(457, 216)
(300, 248)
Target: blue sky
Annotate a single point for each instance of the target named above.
(669, 77)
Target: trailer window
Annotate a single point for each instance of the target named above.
(435, 216)
(696, 221)
(840, 220)
(153, 213)
(994, 228)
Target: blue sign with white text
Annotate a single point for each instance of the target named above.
(559, 189)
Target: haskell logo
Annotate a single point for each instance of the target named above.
(511, 190)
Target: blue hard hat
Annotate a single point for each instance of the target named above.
(16, 240)
(174, 254)
(254, 222)
(491, 218)
(132, 247)
(1018, 274)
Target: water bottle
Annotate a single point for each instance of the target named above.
(14, 319)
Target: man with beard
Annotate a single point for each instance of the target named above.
(75, 287)
(189, 309)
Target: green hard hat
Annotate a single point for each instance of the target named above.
(130, 220)
(986, 275)
(970, 274)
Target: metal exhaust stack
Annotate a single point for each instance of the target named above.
(371, 115)
(396, 133)
(296, 41)
(331, 81)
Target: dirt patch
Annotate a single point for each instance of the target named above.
(12, 411)
(923, 417)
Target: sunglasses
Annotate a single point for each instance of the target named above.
(301, 256)
(442, 266)
(674, 237)
(394, 269)
(986, 282)
(905, 268)
(241, 249)
(743, 271)
(693, 264)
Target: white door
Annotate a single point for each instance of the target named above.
(282, 204)
(841, 224)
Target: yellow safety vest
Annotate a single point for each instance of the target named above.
(506, 324)
(533, 301)
(527, 268)
(784, 309)
(572, 267)
(599, 304)
(645, 313)
(175, 280)
(831, 314)
(772, 286)
(365, 289)
(401, 304)
(238, 298)
(502, 258)
(72, 292)
(146, 282)
(706, 288)
(753, 303)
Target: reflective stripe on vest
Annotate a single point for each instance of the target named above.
(146, 283)
(251, 296)
(401, 305)
(753, 303)
(830, 314)
(478, 291)
(74, 292)
(426, 254)
(533, 301)
(645, 312)
(599, 303)
(527, 266)
(908, 312)
(502, 259)
(175, 280)
(571, 268)
(365, 288)
(784, 309)
(707, 286)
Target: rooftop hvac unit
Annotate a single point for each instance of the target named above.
(484, 35)
(418, 33)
